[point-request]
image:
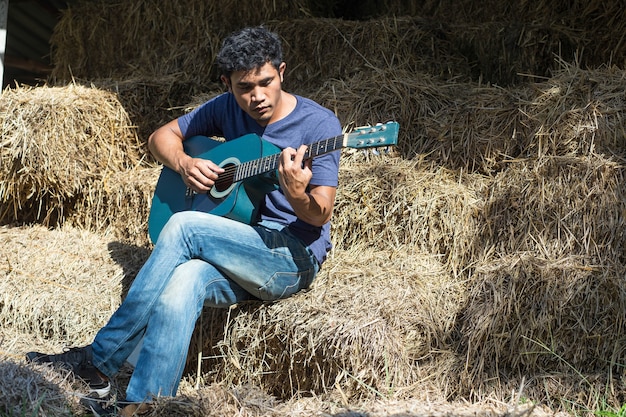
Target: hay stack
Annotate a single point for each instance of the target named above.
(150, 38)
(489, 250)
(317, 50)
(556, 323)
(57, 142)
(120, 205)
(62, 284)
(27, 392)
(577, 112)
(556, 207)
(385, 203)
(479, 129)
(153, 101)
(358, 330)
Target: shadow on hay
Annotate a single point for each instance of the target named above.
(26, 390)
(131, 258)
(547, 300)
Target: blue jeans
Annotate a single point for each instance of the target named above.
(200, 259)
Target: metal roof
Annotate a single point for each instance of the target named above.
(30, 24)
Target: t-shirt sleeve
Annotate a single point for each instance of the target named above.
(326, 167)
(203, 120)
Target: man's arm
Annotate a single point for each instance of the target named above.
(166, 145)
(314, 206)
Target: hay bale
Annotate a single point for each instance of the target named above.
(120, 205)
(56, 143)
(506, 52)
(546, 293)
(150, 38)
(358, 330)
(558, 321)
(153, 101)
(558, 207)
(479, 129)
(51, 290)
(577, 112)
(461, 126)
(386, 202)
(317, 50)
(33, 392)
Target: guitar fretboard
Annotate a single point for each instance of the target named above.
(269, 163)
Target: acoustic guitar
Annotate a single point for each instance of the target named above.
(250, 172)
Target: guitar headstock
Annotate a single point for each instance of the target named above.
(383, 134)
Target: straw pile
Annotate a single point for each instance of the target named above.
(483, 257)
(51, 290)
(150, 37)
(57, 142)
(343, 334)
(32, 393)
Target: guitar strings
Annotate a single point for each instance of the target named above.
(269, 162)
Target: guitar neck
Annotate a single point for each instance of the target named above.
(270, 163)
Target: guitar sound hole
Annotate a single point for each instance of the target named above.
(225, 179)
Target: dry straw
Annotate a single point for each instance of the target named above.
(56, 143)
(486, 256)
(152, 38)
(388, 202)
(558, 319)
(358, 331)
(62, 284)
(317, 50)
(25, 392)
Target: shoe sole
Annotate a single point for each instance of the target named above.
(101, 392)
(94, 405)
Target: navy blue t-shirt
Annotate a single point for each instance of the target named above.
(307, 123)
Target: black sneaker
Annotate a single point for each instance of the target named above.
(99, 407)
(79, 362)
(107, 408)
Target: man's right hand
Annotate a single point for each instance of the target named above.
(199, 174)
(166, 145)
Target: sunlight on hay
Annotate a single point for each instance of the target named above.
(57, 141)
(61, 284)
(386, 203)
(119, 205)
(479, 129)
(578, 112)
(457, 125)
(355, 329)
(483, 260)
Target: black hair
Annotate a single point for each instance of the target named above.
(248, 49)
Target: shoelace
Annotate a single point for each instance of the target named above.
(74, 357)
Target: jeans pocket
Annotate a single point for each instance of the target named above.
(285, 284)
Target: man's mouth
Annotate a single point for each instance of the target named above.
(261, 110)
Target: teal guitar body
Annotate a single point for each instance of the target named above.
(250, 172)
(235, 200)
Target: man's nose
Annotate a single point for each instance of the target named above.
(258, 94)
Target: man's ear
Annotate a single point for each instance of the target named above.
(226, 82)
(281, 71)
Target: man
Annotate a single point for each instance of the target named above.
(202, 259)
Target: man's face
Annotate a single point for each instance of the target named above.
(258, 92)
